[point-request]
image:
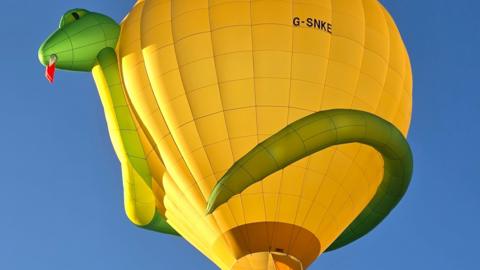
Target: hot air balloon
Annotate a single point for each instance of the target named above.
(265, 133)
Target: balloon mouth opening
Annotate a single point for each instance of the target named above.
(50, 68)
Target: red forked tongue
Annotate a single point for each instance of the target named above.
(50, 69)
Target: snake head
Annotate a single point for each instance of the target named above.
(80, 37)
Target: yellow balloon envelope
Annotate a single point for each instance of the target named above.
(212, 79)
(213, 86)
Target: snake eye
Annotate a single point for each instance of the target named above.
(72, 16)
(75, 15)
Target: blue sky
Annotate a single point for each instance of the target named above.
(61, 195)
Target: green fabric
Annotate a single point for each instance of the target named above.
(107, 60)
(78, 41)
(159, 224)
(315, 133)
(69, 17)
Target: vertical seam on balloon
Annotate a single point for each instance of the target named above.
(319, 109)
(245, 233)
(255, 102)
(402, 74)
(389, 40)
(253, 72)
(186, 96)
(217, 77)
(294, 237)
(328, 59)
(175, 143)
(223, 112)
(402, 96)
(407, 90)
(291, 63)
(180, 73)
(166, 124)
(321, 105)
(277, 206)
(194, 180)
(363, 53)
(256, 125)
(340, 181)
(255, 105)
(404, 91)
(407, 73)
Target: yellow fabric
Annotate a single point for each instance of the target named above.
(211, 79)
